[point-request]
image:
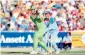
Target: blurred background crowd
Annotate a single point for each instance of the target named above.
(15, 15)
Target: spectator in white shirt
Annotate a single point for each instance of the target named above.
(67, 41)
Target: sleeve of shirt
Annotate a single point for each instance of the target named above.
(32, 19)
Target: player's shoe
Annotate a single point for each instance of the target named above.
(44, 53)
(33, 52)
(57, 52)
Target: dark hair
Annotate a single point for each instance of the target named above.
(15, 5)
(11, 14)
(8, 25)
(69, 33)
(21, 14)
(46, 19)
(36, 12)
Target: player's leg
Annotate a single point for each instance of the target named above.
(53, 42)
(43, 45)
(45, 39)
(41, 42)
(55, 47)
(35, 43)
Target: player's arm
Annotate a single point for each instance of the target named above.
(32, 18)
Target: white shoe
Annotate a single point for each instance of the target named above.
(57, 52)
(33, 52)
(45, 53)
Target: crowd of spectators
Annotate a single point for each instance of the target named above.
(69, 16)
